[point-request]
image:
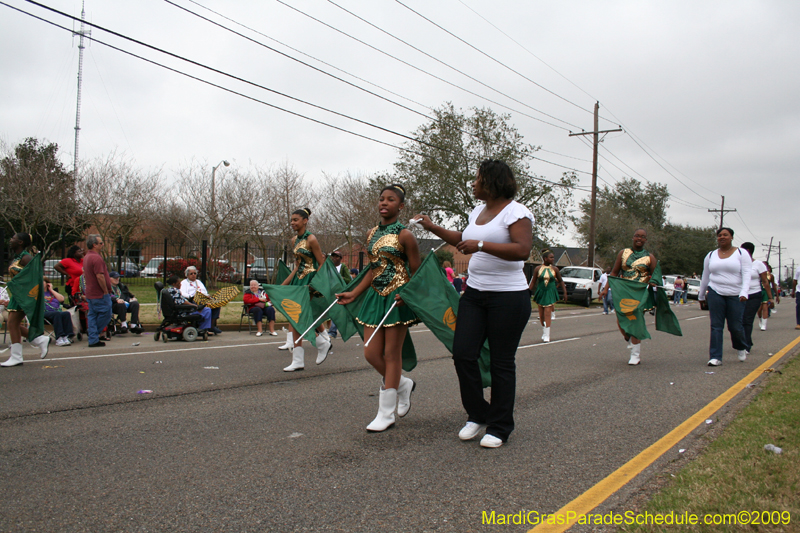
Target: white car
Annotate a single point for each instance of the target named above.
(583, 283)
(669, 285)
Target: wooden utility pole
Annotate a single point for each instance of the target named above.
(722, 212)
(771, 247)
(593, 213)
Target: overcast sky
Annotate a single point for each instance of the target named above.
(708, 89)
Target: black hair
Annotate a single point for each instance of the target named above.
(304, 212)
(398, 189)
(72, 251)
(497, 179)
(749, 247)
(24, 238)
(729, 230)
(172, 280)
(546, 252)
(642, 229)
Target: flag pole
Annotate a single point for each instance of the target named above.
(381, 323)
(317, 320)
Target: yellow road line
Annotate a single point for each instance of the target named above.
(596, 495)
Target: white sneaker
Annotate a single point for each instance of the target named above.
(742, 355)
(714, 362)
(470, 430)
(490, 441)
(258, 334)
(61, 341)
(273, 333)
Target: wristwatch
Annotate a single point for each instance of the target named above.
(480, 246)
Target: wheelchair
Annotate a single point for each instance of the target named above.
(181, 321)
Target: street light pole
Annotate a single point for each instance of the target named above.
(213, 187)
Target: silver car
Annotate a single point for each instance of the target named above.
(692, 288)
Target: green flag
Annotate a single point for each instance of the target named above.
(666, 320)
(27, 290)
(409, 354)
(328, 283)
(630, 301)
(283, 272)
(294, 302)
(435, 301)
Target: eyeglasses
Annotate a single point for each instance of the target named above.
(192, 273)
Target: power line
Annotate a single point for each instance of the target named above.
(297, 60)
(418, 68)
(476, 80)
(492, 58)
(94, 39)
(237, 78)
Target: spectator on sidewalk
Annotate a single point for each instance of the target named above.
(258, 305)
(61, 320)
(98, 290)
(72, 267)
(191, 286)
(124, 302)
(608, 301)
(678, 290)
(341, 268)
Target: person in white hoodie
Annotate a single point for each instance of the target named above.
(725, 286)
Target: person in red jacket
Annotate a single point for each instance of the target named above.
(258, 305)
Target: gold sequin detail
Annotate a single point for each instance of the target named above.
(385, 260)
(304, 257)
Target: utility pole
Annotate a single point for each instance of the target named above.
(722, 212)
(771, 247)
(596, 141)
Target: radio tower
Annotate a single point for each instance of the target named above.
(80, 35)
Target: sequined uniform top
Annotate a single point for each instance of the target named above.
(388, 258)
(546, 292)
(304, 257)
(635, 266)
(15, 268)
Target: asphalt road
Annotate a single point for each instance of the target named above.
(244, 446)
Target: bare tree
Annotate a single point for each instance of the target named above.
(349, 209)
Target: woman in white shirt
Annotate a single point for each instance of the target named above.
(496, 303)
(758, 281)
(726, 276)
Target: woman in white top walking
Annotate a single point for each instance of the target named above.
(726, 276)
(758, 282)
(496, 304)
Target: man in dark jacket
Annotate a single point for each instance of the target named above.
(123, 302)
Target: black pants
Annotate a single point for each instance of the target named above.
(751, 307)
(499, 317)
(121, 311)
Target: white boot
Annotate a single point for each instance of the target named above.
(324, 347)
(404, 391)
(630, 344)
(324, 335)
(298, 360)
(546, 334)
(763, 324)
(635, 351)
(289, 341)
(386, 404)
(43, 343)
(16, 355)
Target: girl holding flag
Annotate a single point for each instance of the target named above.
(308, 257)
(394, 257)
(635, 264)
(544, 285)
(27, 298)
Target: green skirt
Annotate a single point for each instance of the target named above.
(375, 306)
(764, 297)
(546, 296)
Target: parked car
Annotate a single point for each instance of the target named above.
(128, 269)
(583, 283)
(669, 285)
(260, 271)
(50, 270)
(153, 267)
(692, 288)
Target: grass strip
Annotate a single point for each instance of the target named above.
(735, 475)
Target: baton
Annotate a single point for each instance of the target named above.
(381, 323)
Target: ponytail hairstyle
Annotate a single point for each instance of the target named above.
(304, 212)
(398, 189)
(546, 252)
(27, 241)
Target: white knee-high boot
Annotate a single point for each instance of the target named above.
(763, 324)
(323, 349)
(43, 343)
(289, 341)
(404, 390)
(386, 405)
(546, 334)
(16, 355)
(298, 360)
(635, 351)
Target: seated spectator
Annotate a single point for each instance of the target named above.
(72, 267)
(61, 320)
(3, 304)
(122, 302)
(191, 286)
(354, 272)
(258, 305)
(174, 290)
